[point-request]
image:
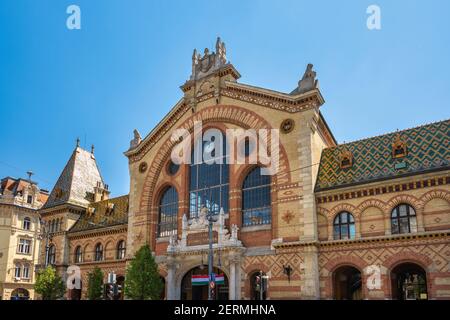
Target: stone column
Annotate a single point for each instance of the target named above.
(232, 285)
(310, 277)
(170, 283)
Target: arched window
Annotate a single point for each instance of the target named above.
(209, 175)
(26, 223)
(168, 210)
(403, 219)
(256, 207)
(17, 270)
(121, 249)
(98, 252)
(51, 258)
(26, 271)
(78, 255)
(344, 226)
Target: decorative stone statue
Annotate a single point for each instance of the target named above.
(308, 82)
(221, 51)
(184, 222)
(234, 232)
(136, 140)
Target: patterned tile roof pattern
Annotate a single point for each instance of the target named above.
(427, 150)
(77, 181)
(106, 213)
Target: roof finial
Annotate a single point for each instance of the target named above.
(78, 142)
(29, 173)
(92, 149)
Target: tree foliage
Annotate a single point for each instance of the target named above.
(95, 284)
(49, 284)
(142, 281)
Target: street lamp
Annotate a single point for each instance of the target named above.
(212, 281)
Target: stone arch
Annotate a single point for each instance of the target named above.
(409, 256)
(338, 209)
(435, 194)
(407, 199)
(186, 267)
(403, 198)
(369, 224)
(343, 207)
(219, 113)
(349, 260)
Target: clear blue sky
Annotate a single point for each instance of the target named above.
(123, 69)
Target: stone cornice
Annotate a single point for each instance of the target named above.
(368, 240)
(82, 234)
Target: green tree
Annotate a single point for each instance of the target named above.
(142, 281)
(95, 284)
(49, 284)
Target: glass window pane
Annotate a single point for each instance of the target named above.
(344, 231)
(404, 225)
(402, 210)
(336, 232)
(394, 226)
(343, 217)
(352, 231)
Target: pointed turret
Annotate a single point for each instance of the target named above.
(80, 183)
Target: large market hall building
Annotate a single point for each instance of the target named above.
(363, 220)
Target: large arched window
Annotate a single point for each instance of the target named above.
(403, 219)
(168, 210)
(51, 255)
(98, 252)
(344, 226)
(209, 175)
(121, 249)
(256, 207)
(78, 255)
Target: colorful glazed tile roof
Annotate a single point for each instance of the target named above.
(106, 213)
(427, 150)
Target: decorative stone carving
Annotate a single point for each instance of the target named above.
(287, 125)
(308, 82)
(143, 167)
(198, 226)
(136, 140)
(210, 62)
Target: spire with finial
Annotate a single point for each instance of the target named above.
(92, 149)
(78, 142)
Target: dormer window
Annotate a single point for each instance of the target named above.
(346, 159)
(399, 148)
(109, 209)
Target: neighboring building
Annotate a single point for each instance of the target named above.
(332, 218)
(85, 227)
(19, 236)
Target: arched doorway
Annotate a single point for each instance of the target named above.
(409, 282)
(255, 286)
(20, 294)
(347, 283)
(199, 290)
